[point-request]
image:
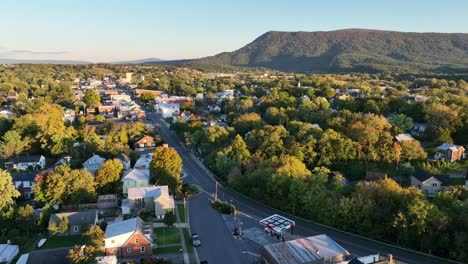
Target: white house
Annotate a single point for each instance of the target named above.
(68, 115)
(121, 97)
(26, 162)
(135, 178)
(153, 199)
(144, 161)
(428, 183)
(403, 137)
(167, 109)
(24, 182)
(94, 163)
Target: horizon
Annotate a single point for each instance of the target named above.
(99, 32)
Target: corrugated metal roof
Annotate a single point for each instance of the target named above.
(305, 250)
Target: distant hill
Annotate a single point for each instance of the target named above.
(138, 61)
(350, 50)
(15, 61)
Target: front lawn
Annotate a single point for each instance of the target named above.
(167, 235)
(167, 250)
(63, 241)
(181, 211)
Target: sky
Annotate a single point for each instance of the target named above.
(114, 30)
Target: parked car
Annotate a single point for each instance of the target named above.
(196, 240)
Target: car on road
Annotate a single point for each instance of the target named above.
(196, 240)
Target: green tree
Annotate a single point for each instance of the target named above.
(12, 144)
(247, 122)
(169, 218)
(108, 175)
(92, 99)
(7, 190)
(402, 122)
(166, 167)
(147, 96)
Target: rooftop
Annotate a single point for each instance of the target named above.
(137, 175)
(305, 250)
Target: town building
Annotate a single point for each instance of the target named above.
(144, 143)
(450, 152)
(135, 178)
(309, 250)
(78, 222)
(430, 184)
(125, 160)
(24, 163)
(24, 182)
(129, 238)
(151, 199)
(94, 163)
(8, 253)
(167, 109)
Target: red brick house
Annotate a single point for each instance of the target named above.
(129, 238)
(450, 152)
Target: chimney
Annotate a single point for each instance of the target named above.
(390, 258)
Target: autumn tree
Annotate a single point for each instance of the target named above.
(93, 247)
(108, 175)
(147, 96)
(247, 122)
(8, 191)
(166, 167)
(26, 218)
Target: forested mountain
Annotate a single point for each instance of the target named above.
(348, 50)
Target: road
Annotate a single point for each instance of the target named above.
(218, 245)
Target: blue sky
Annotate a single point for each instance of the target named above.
(113, 30)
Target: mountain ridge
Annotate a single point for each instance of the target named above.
(348, 50)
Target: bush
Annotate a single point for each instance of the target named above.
(223, 207)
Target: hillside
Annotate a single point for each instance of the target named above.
(351, 50)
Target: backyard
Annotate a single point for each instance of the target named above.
(63, 241)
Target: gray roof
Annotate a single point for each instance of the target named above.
(76, 218)
(305, 250)
(25, 159)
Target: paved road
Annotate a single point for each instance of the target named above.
(218, 246)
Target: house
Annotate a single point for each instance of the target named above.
(375, 176)
(135, 178)
(125, 160)
(24, 163)
(24, 182)
(419, 129)
(8, 253)
(12, 96)
(403, 137)
(62, 161)
(78, 222)
(68, 115)
(167, 109)
(151, 199)
(94, 163)
(314, 249)
(144, 143)
(144, 161)
(129, 238)
(430, 184)
(450, 152)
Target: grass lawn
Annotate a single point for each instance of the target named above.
(167, 235)
(167, 250)
(63, 241)
(457, 181)
(181, 211)
(188, 240)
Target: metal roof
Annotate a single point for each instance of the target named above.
(305, 250)
(277, 223)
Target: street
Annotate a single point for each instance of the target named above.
(218, 245)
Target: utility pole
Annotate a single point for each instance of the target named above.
(216, 190)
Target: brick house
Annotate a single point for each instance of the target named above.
(129, 238)
(450, 152)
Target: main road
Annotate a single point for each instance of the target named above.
(218, 245)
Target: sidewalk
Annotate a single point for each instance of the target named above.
(182, 239)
